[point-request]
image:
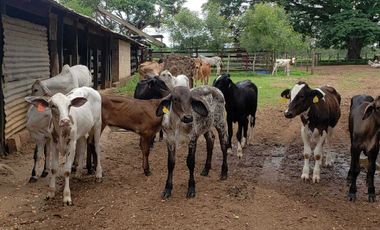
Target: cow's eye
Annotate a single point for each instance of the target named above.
(378, 108)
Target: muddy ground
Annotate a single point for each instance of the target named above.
(263, 191)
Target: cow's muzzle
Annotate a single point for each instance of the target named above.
(288, 114)
(64, 122)
(187, 119)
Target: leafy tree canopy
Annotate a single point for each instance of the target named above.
(348, 24)
(267, 27)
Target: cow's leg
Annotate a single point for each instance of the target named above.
(274, 69)
(47, 150)
(372, 156)
(171, 163)
(70, 157)
(34, 177)
(318, 153)
(218, 69)
(245, 131)
(190, 161)
(354, 171)
(230, 133)
(221, 128)
(306, 153)
(54, 168)
(80, 152)
(239, 135)
(161, 135)
(145, 149)
(210, 138)
(329, 154)
(287, 68)
(90, 155)
(99, 170)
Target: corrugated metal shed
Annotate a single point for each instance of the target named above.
(26, 59)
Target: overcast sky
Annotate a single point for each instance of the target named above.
(193, 5)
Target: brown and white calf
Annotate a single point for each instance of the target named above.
(186, 116)
(75, 117)
(319, 110)
(364, 126)
(285, 63)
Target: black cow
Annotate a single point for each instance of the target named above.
(241, 105)
(151, 88)
(320, 111)
(364, 126)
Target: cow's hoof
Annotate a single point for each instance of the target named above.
(316, 179)
(166, 194)
(44, 174)
(205, 172)
(223, 177)
(90, 171)
(99, 179)
(243, 142)
(147, 172)
(240, 153)
(371, 198)
(67, 202)
(229, 151)
(50, 195)
(33, 179)
(190, 193)
(352, 197)
(305, 177)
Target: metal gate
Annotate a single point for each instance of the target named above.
(26, 59)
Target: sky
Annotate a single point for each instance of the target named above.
(193, 5)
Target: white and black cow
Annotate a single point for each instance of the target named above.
(320, 111)
(241, 105)
(364, 126)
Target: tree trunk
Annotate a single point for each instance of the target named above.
(355, 46)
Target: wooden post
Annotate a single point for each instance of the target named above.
(85, 48)
(60, 41)
(75, 44)
(96, 67)
(53, 44)
(312, 61)
(2, 112)
(228, 63)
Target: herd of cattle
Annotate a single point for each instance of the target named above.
(67, 116)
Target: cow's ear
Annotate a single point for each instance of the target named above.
(317, 95)
(368, 111)
(39, 102)
(78, 101)
(199, 107)
(286, 94)
(164, 106)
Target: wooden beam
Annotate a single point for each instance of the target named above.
(96, 67)
(131, 27)
(53, 44)
(75, 45)
(85, 48)
(60, 41)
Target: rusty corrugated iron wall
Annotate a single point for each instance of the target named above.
(26, 59)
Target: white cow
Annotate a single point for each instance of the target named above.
(213, 61)
(374, 64)
(38, 122)
(286, 63)
(75, 117)
(171, 81)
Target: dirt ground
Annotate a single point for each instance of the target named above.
(263, 191)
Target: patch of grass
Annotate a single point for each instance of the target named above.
(269, 87)
(129, 88)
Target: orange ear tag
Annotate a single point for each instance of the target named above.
(165, 110)
(40, 107)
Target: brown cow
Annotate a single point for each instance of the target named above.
(364, 126)
(320, 111)
(202, 71)
(150, 69)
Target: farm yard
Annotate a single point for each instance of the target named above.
(263, 190)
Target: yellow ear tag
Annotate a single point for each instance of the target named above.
(284, 100)
(40, 107)
(165, 110)
(315, 100)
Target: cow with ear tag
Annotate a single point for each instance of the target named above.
(75, 117)
(319, 110)
(186, 116)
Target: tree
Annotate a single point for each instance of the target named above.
(267, 27)
(216, 26)
(350, 24)
(79, 6)
(187, 30)
(140, 13)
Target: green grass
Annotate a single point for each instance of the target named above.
(269, 87)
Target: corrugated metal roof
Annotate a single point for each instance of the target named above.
(92, 21)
